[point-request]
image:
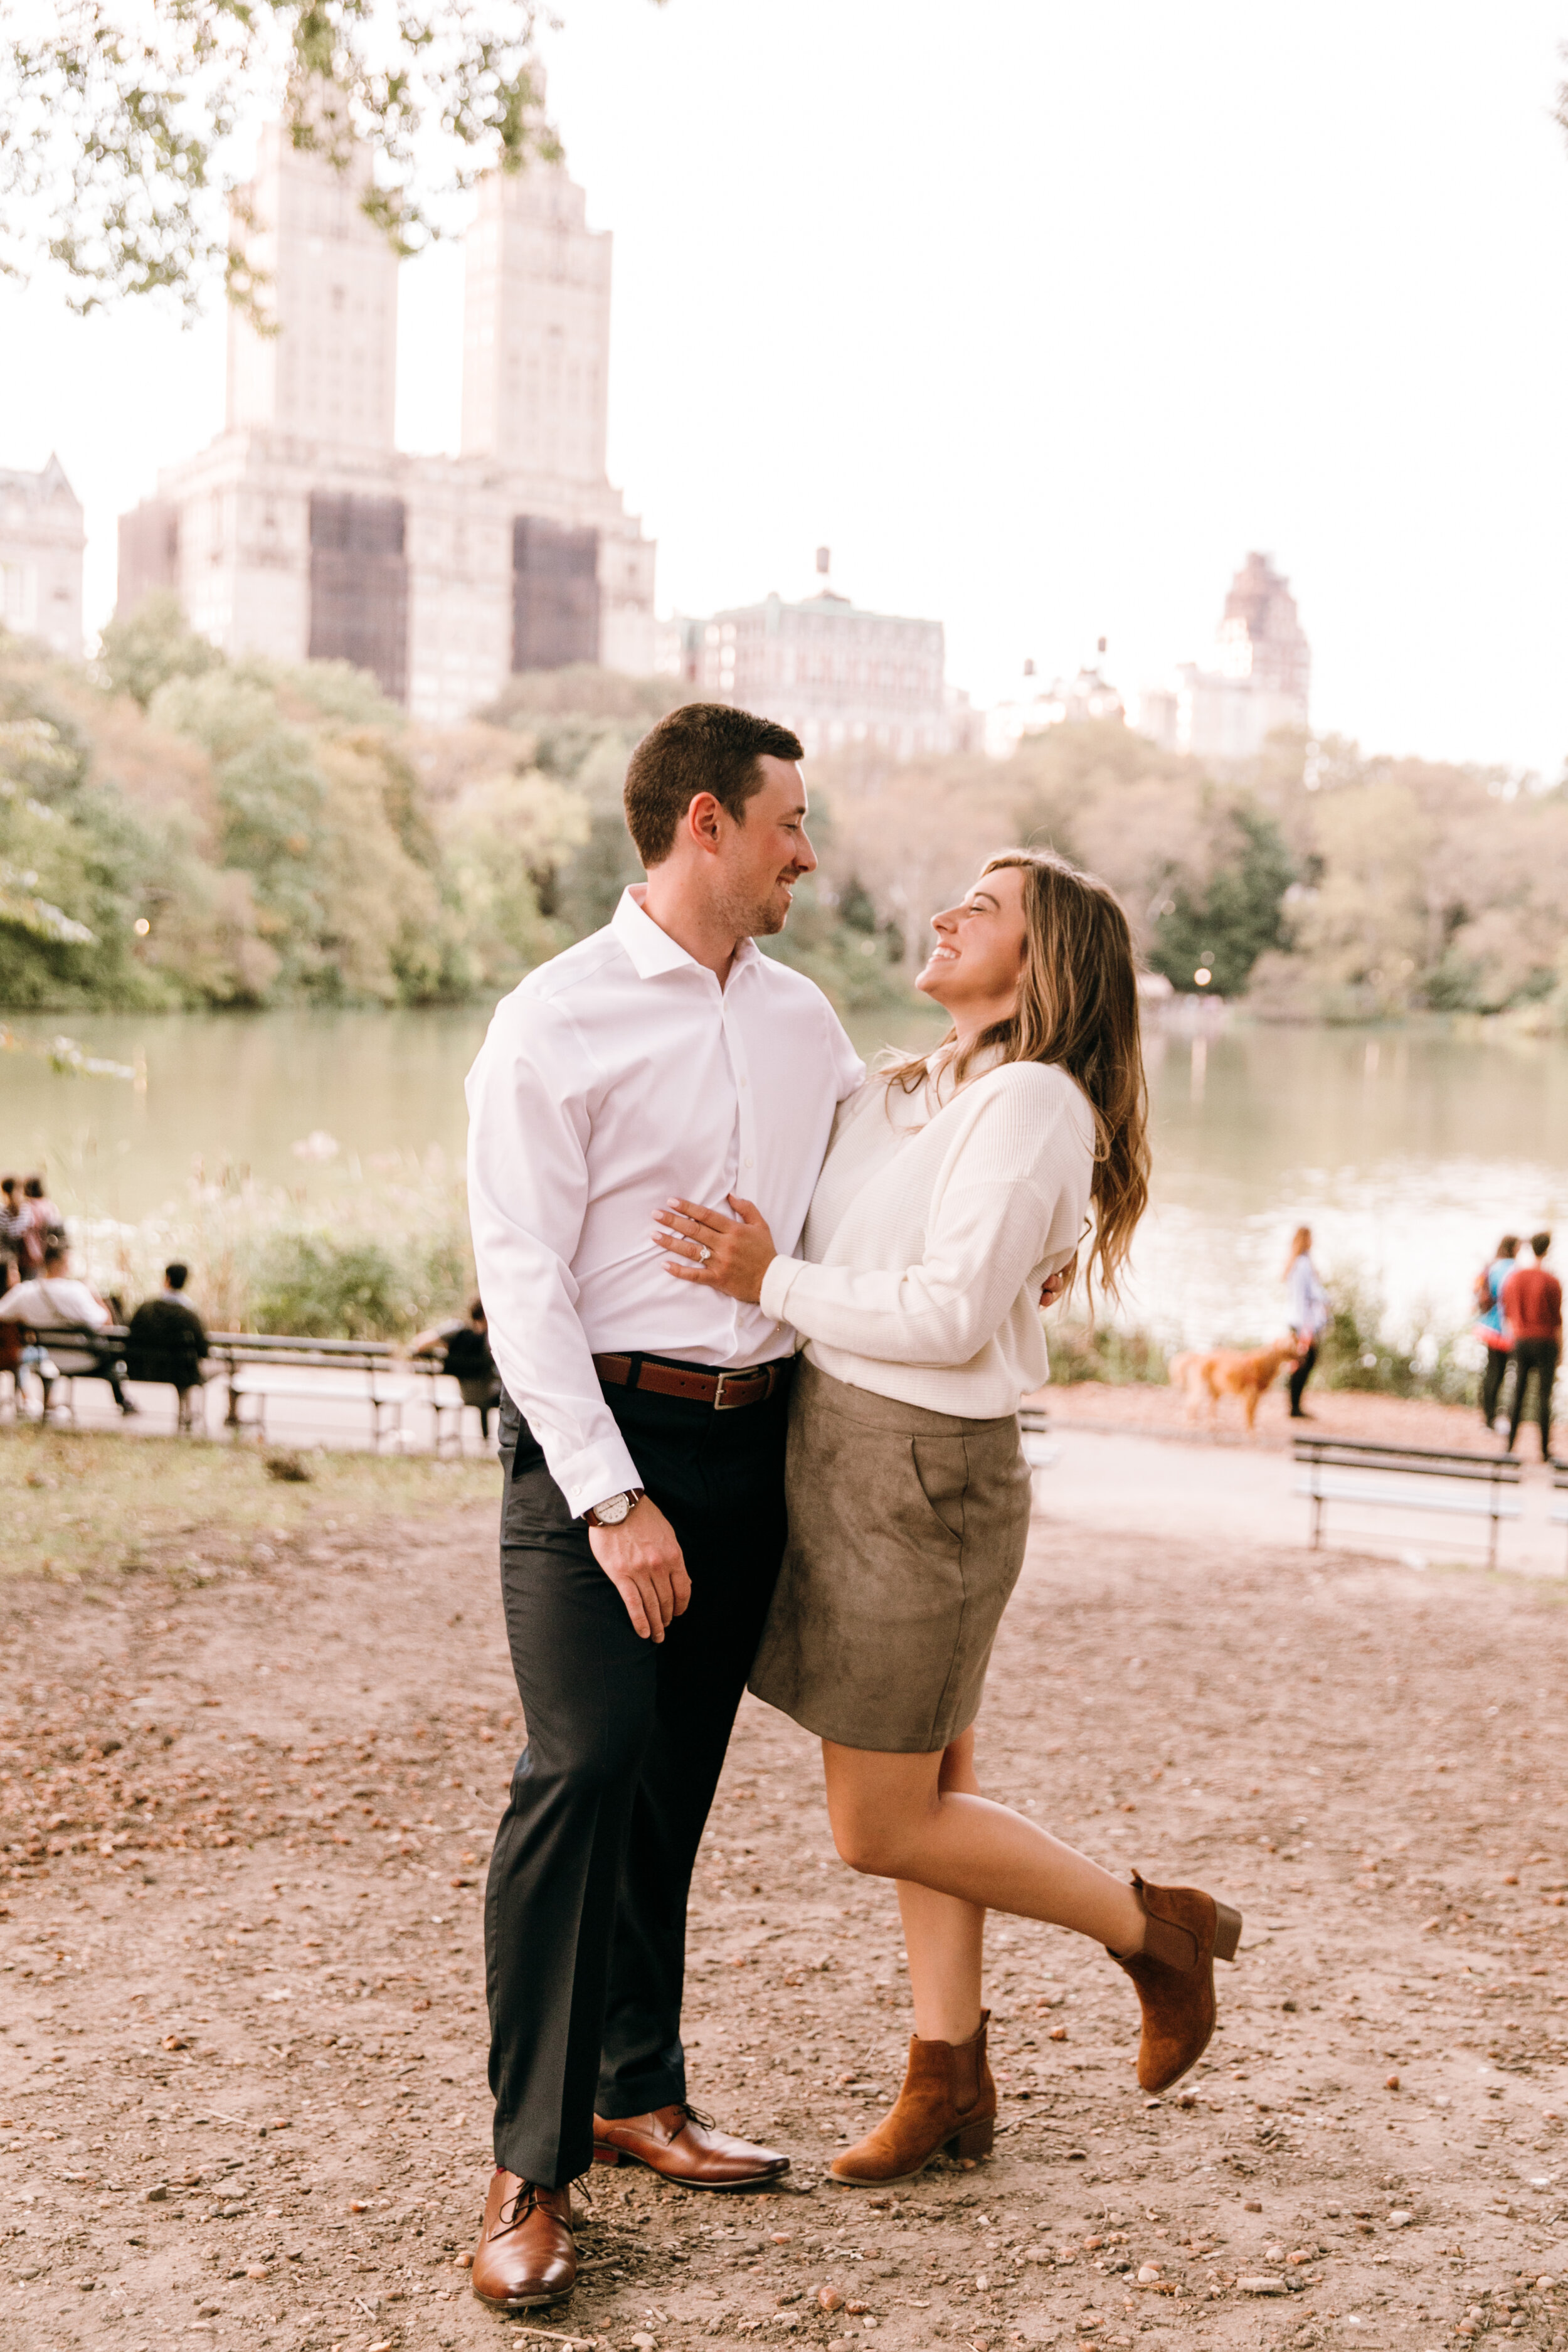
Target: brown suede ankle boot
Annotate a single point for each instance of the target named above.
(948, 2100)
(1185, 1932)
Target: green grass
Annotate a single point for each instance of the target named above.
(84, 1507)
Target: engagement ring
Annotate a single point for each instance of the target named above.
(704, 1253)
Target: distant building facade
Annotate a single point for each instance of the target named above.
(42, 537)
(1260, 681)
(836, 673)
(1087, 695)
(302, 533)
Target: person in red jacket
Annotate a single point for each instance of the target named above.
(1532, 1312)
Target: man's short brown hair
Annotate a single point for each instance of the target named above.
(703, 747)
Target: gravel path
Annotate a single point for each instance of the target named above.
(246, 1829)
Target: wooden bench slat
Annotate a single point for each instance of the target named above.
(1501, 1509)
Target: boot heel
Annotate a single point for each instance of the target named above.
(976, 2139)
(1227, 1931)
(604, 2154)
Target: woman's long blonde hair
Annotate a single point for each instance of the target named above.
(1078, 1007)
(1300, 1244)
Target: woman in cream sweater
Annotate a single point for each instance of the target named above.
(955, 1186)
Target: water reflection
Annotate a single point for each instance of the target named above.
(1408, 1152)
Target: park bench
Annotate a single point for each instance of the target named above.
(1408, 1478)
(260, 1367)
(104, 1345)
(1560, 1488)
(444, 1399)
(1034, 1437)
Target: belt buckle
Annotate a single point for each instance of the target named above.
(720, 1403)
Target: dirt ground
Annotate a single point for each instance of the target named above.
(245, 1826)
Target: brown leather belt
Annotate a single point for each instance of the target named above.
(726, 1391)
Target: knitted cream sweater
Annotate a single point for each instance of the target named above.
(936, 1219)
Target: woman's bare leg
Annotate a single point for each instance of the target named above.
(943, 1936)
(891, 1817)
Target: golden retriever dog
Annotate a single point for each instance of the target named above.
(1229, 1371)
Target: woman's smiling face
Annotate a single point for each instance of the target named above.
(975, 965)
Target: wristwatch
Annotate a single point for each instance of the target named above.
(614, 1509)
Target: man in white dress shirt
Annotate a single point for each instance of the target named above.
(642, 1436)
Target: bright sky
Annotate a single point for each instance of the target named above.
(1041, 315)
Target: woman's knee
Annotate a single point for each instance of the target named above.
(867, 1845)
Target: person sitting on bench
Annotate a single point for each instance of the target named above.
(166, 1340)
(55, 1301)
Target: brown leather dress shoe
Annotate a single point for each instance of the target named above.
(526, 2255)
(1186, 1931)
(682, 2146)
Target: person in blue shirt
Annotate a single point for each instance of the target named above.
(1490, 1325)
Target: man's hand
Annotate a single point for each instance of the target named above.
(642, 1560)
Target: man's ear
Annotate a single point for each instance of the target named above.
(705, 822)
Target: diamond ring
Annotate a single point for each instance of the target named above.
(704, 1253)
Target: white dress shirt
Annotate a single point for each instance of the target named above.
(616, 1078)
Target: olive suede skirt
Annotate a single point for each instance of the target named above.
(906, 1535)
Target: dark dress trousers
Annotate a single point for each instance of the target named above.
(585, 1909)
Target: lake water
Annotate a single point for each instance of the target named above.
(1407, 1151)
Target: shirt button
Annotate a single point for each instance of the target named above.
(746, 1161)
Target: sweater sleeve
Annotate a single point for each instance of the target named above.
(985, 1241)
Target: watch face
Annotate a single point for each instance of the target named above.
(617, 1508)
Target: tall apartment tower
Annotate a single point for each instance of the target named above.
(536, 403)
(42, 536)
(535, 327)
(330, 288)
(1260, 685)
(303, 532)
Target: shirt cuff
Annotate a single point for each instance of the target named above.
(594, 1474)
(777, 1283)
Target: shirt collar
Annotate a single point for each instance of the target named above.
(652, 951)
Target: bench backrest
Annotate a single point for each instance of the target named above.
(1414, 1461)
(237, 1348)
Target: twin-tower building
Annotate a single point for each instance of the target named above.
(302, 533)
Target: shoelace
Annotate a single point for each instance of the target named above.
(525, 2201)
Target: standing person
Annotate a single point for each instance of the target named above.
(166, 1340)
(1533, 1310)
(1490, 1325)
(14, 1223)
(1307, 1305)
(42, 1224)
(950, 1190)
(643, 1433)
(54, 1300)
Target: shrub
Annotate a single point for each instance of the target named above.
(1355, 1351)
(1104, 1351)
(327, 1289)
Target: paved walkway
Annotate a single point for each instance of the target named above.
(1159, 1487)
(1178, 1483)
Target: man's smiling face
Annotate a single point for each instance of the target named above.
(766, 852)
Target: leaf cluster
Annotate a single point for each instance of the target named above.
(118, 122)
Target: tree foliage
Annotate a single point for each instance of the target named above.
(118, 122)
(1224, 924)
(1322, 882)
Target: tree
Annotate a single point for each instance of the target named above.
(1223, 928)
(118, 120)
